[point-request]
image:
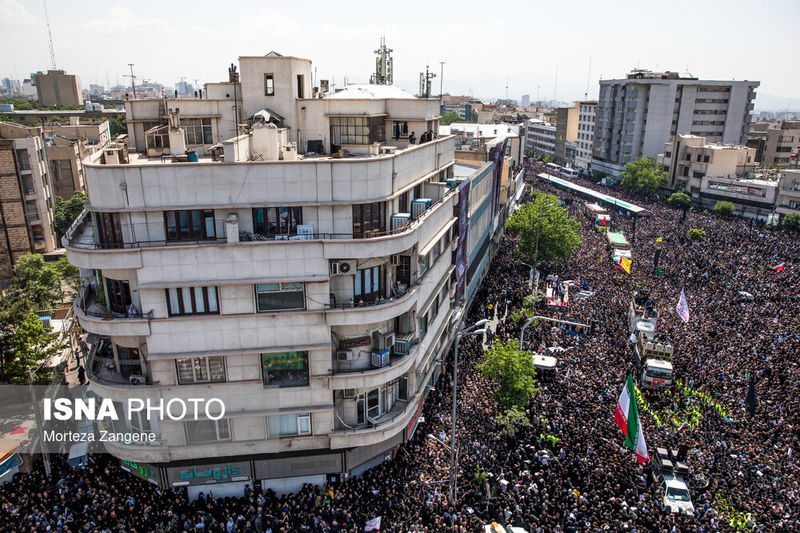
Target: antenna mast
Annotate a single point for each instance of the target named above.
(384, 74)
(133, 80)
(49, 36)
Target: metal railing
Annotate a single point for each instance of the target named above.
(87, 295)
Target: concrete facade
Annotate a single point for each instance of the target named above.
(541, 138)
(777, 143)
(587, 111)
(566, 132)
(58, 88)
(788, 192)
(637, 115)
(293, 320)
(689, 158)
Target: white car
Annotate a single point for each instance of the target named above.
(677, 496)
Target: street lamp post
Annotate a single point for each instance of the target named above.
(472, 330)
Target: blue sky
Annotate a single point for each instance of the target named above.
(483, 44)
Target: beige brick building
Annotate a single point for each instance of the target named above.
(58, 88)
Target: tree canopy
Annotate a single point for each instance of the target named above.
(680, 200)
(792, 221)
(513, 370)
(42, 284)
(66, 211)
(723, 209)
(448, 118)
(559, 235)
(644, 175)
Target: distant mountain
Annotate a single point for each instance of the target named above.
(770, 102)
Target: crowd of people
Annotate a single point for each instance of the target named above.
(568, 471)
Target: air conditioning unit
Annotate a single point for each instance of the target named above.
(402, 343)
(419, 206)
(137, 380)
(344, 355)
(343, 268)
(387, 342)
(381, 359)
(399, 220)
(349, 393)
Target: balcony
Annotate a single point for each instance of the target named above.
(95, 318)
(372, 377)
(383, 309)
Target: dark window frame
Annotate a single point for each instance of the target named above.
(197, 364)
(192, 294)
(367, 219)
(281, 289)
(119, 295)
(360, 280)
(268, 221)
(269, 84)
(185, 228)
(292, 381)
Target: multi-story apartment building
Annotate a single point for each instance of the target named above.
(58, 88)
(788, 192)
(566, 132)
(67, 146)
(312, 292)
(776, 143)
(586, 116)
(638, 114)
(690, 158)
(541, 137)
(26, 199)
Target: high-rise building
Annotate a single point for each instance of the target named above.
(526, 100)
(300, 270)
(638, 114)
(58, 88)
(586, 118)
(566, 132)
(540, 138)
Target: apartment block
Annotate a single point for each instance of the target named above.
(56, 87)
(638, 114)
(788, 192)
(586, 117)
(540, 138)
(776, 143)
(689, 158)
(566, 132)
(302, 271)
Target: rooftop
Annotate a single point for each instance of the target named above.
(371, 92)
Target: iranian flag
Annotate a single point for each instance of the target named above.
(627, 418)
(779, 267)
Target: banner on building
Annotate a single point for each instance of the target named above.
(463, 229)
(497, 155)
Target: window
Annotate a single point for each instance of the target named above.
(783, 149)
(157, 138)
(200, 431)
(785, 138)
(399, 129)
(289, 425)
(300, 86)
(403, 272)
(367, 219)
(280, 297)
(277, 220)
(423, 326)
(109, 229)
(198, 130)
(61, 170)
(119, 295)
(22, 160)
(193, 370)
(269, 85)
(357, 130)
(193, 301)
(285, 369)
(368, 284)
(192, 224)
(423, 264)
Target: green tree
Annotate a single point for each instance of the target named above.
(66, 211)
(510, 421)
(532, 300)
(644, 175)
(24, 345)
(513, 370)
(723, 209)
(792, 221)
(696, 234)
(682, 201)
(559, 234)
(117, 126)
(547, 158)
(448, 118)
(41, 283)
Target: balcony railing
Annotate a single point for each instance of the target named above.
(102, 368)
(88, 303)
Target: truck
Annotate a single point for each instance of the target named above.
(654, 355)
(671, 474)
(598, 215)
(618, 246)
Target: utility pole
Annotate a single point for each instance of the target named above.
(39, 425)
(133, 79)
(441, 81)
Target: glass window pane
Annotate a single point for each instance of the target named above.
(358, 280)
(199, 300)
(267, 287)
(283, 214)
(289, 424)
(174, 303)
(375, 279)
(304, 423)
(209, 226)
(292, 286)
(172, 227)
(258, 220)
(212, 300)
(223, 429)
(367, 280)
(272, 214)
(274, 425)
(187, 301)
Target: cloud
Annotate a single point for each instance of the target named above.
(12, 13)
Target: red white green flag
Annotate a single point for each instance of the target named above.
(627, 418)
(778, 267)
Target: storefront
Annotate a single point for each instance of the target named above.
(220, 479)
(288, 474)
(143, 471)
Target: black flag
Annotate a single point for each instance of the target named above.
(750, 400)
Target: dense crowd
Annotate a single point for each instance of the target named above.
(569, 470)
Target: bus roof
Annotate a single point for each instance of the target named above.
(544, 361)
(617, 238)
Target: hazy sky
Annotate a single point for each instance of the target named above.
(484, 44)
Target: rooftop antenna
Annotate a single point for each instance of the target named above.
(383, 65)
(588, 77)
(506, 91)
(425, 82)
(49, 36)
(133, 79)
